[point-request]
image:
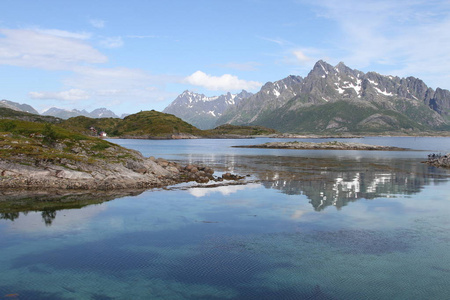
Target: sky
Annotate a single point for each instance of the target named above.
(138, 55)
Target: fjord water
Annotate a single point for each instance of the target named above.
(307, 225)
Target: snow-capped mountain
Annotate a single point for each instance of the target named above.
(272, 96)
(202, 111)
(341, 99)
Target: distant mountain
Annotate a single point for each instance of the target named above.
(8, 113)
(66, 114)
(340, 99)
(18, 107)
(202, 111)
(102, 113)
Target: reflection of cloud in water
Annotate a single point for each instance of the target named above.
(298, 214)
(224, 190)
(68, 219)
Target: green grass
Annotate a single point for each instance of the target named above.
(241, 130)
(30, 142)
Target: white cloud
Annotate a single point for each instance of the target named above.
(38, 49)
(89, 86)
(69, 95)
(225, 82)
(120, 86)
(300, 56)
(112, 42)
(97, 23)
(64, 34)
(277, 41)
(302, 59)
(404, 38)
(109, 87)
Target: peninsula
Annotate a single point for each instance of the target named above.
(42, 156)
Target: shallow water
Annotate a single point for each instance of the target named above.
(308, 225)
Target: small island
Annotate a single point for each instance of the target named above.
(334, 145)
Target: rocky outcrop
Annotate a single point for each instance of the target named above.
(439, 161)
(135, 172)
(132, 174)
(34, 162)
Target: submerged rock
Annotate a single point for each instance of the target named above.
(229, 176)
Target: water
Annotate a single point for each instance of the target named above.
(308, 225)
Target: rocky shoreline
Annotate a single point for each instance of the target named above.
(133, 175)
(146, 174)
(322, 146)
(29, 163)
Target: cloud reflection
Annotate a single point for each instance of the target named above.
(224, 190)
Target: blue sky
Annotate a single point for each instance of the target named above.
(140, 54)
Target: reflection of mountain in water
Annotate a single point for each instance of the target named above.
(337, 188)
(337, 181)
(13, 203)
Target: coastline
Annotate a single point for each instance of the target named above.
(83, 163)
(274, 136)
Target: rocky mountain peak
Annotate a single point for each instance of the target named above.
(200, 110)
(284, 104)
(321, 69)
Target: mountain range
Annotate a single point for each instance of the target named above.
(66, 114)
(330, 99)
(59, 112)
(202, 111)
(335, 99)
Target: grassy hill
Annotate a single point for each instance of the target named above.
(145, 124)
(153, 123)
(28, 142)
(142, 124)
(228, 129)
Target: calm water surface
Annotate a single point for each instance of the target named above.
(308, 225)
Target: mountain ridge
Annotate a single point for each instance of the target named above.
(324, 100)
(18, 107)
(200, 110)
(66, 114)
